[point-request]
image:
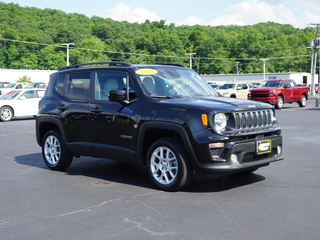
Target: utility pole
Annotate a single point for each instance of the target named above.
(237, 66)
(190, 58)
(67, 44)
(314, 45)
(264, 67)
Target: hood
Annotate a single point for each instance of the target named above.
(218, 103)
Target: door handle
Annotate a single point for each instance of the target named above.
(63, 108)
(96, 110)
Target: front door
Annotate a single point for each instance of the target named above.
(112, 124)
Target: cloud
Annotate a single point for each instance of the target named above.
(124, 13)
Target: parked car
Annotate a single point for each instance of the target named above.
(11, 87)
(36, 85)
(278, 92)
(234, 90)
(4, 84)
(20, 103)
(165, 117)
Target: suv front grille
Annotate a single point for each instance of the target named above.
(253, 119)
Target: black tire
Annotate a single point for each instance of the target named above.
(303, 101)
(54, 152)
(6, 114)
(168, 165)
(233, 96)
(279, 103)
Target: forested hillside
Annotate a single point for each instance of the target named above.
(31, 38)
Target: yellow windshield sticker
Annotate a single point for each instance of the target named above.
(146, 71)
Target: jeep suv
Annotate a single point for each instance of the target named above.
(165, 117)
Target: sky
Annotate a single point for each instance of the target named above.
(298, 13)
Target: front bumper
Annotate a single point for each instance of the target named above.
(247, 157)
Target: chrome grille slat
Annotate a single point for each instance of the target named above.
(252, 119)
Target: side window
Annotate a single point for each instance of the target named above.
(244, 86)
(239, 86)
(78, 85)
(287, 84)
(40, 93)
(60, 84)
(106, 81)
(19, 86)
(292, 84)
(28, 94)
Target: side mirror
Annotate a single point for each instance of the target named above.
(238, 88)
(117, 95)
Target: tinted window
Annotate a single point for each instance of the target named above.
(78, 85)
(244, 86)
(106, 81)
(60, 84)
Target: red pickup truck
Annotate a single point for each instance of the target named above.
(278, 92)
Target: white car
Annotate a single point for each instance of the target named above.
(12, 86)
(234, 90)
(23, 102)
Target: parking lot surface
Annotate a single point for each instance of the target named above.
(102, 199)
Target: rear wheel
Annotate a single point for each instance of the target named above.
(279, 103)
(54, 152)
(168, 165)
(6, 114)
(303, 101)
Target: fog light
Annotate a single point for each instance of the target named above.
(234, 158)
(279, 149)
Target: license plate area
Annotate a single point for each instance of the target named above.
(263, 146)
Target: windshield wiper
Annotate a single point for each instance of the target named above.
(159, 96)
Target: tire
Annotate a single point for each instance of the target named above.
(6, 114)
(233, 96)
(168, 165)
(279, 103)
(303, 101)
(54, 152)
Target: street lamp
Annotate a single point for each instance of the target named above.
(190, 59)
(237, 67)
(67, 44)
(264, 67)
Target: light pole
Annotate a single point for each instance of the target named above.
(264, 67)
(190, 58)
(237, 66)
(67, 44)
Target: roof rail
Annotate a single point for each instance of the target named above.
(122, 64)
(172, 64)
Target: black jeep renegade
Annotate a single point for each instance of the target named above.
(163, 116)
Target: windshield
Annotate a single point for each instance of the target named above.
(11, 85)
(226, 86)
(270, 84)
(175, 82)
(10, 95)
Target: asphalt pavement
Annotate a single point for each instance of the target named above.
(102, 199)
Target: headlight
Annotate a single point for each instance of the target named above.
(220, 121)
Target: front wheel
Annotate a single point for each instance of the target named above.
(6, 114)
(54, 152)
(303, 101)
(279, 103)
(168, 165)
